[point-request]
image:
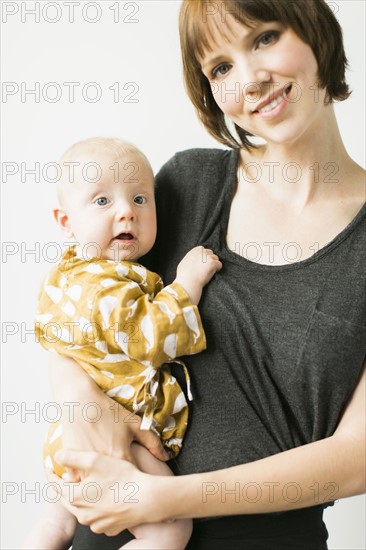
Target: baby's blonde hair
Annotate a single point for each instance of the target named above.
(116, 147)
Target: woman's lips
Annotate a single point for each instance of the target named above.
(276, 106)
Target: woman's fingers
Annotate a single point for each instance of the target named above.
(64, 491)
(60, 487)
(106, 497)
(73, 495)
(106, 526)
(71, 475)
(77, 460)
(54, 481)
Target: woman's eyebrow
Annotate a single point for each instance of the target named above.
(213, 60)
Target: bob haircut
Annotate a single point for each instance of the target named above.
(312, 20)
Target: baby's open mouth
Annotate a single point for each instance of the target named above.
(125, 237)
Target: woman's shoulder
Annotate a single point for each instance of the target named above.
(200, 154)
(188, 168)
(203, 154)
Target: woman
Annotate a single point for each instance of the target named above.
(277, 422)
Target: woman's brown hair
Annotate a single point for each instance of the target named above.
(312, 20)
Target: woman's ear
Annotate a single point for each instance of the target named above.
(63, 221)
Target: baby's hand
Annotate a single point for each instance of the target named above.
(196, 269)
(199, 264)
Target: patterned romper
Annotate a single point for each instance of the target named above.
(122, 326)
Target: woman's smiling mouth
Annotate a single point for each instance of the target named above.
(276, 105)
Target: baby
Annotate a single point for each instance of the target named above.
(116, 319)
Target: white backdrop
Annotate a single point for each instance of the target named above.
(97, 68)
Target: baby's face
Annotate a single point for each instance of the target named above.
(111, 206)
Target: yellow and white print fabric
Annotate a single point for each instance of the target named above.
(122, 326)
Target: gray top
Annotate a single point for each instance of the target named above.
(285, 344)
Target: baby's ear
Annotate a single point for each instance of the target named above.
(63, 221)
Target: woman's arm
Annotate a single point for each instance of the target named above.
(313, 474)
(82, 401)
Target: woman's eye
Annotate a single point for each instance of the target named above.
(102, 201)
(267, 38)
(221, 70)
(140, 199)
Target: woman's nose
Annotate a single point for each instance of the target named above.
(253, 78)
(261, 77)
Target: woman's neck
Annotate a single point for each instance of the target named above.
(296, 171)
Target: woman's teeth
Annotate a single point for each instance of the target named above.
(275, 102)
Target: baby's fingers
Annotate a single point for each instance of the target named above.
(215, 260)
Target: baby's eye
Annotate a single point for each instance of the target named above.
(102, 201)
(267, 38)
(140, 199)
(221, 70)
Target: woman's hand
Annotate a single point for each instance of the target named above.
(112, 495)
(92, 421)
(338, 461)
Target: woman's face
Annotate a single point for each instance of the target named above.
(265, 80)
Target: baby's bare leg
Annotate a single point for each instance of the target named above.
(157, 536)
(54, 531)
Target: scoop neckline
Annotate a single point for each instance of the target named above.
(234, 256)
